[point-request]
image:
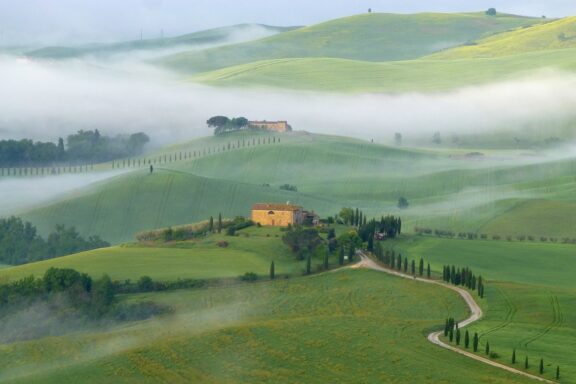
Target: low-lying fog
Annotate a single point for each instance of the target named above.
(19, 194)
(46, 100)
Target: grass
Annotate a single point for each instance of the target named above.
(354, 76)
(202, 259)
(342, 327)
(370, 37)
(558, 34)
(529, 301)
(444, 192)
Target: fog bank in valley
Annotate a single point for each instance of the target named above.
(44, 101)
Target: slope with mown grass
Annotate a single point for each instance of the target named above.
(424, 75)
(371, 37)
(348, 326)
(251, 251)
(554, 35)
(529, 304)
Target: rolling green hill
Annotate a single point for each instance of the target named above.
(369, 37)
(559, 34)
(529, 302)
(330, 173)
(252, 251)
(216, 36)
(423, 75)
(349, 326)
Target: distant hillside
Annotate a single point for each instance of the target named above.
(339, 75)
(371, 37)
(217, 36)
(554, 35)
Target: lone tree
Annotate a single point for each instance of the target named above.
(526, 365)
(403, 203)
(491, 12)
(475, 342)
(272, 271)
(514, 356)
(541, 370)
(557, 372)
(488, 348)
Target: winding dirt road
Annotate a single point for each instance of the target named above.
(434, 337)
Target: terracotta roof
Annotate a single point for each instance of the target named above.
(275, 207)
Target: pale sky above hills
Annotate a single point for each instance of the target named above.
(77, 21)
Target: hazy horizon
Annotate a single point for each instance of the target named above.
(72, 22)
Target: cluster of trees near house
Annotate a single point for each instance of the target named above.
(81, 147)
(224, 124)
(20, 242)
(68, 300)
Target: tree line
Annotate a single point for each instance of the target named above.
(484, 236)
(81, 147)
(453, 333)
(463, 277)
(69, 300)
(20, 242)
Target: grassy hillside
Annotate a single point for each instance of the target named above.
(530, 294)
(330, 173)
(370, 37)
(350, 326)
(216, 36)
(339, 75)
(559, 34)
(252, 251)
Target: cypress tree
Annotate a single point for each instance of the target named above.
(308, 264)
(466, 339)
(428, 271)
(557, 372)
(341, 255)
(541, 370)
(405, 264)
(487, 348)
(457, 336)
(446, 327)
(360, 219)
(514, 356)
(371, 243)
(326, 259)
(219, 223)
(272, 271)
(413, 268)
(351, 251)
(211, 225)
(526, 366)
(392, 260)
(451, 334)
(399, 262)
(475, 342)
(421, 267)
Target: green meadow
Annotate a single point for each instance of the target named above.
(252, 251)
(370, 37)
(493, 196)
(529, 304)
(348, 326)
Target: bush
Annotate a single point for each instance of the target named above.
(288, 187)
(223, 244)
(494, 355)
(249, 277)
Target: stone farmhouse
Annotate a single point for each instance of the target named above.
(282, 215)
(274, 126)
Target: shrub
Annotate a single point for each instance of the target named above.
(223, 244)
(249, 277)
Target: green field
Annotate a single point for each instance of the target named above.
(530, 295)
(558, 34)
(350, 326)
(200, 259)
(371, 37)
(428, 75)
(491, 196)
